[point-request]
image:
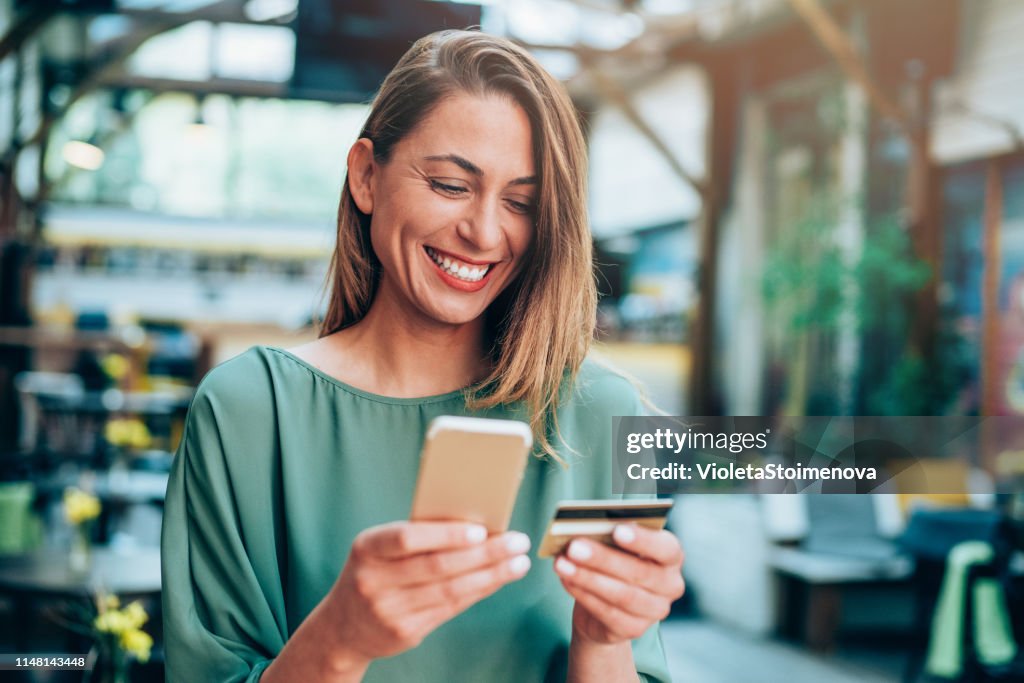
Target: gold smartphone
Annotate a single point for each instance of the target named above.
(470, 470)
(596, 519)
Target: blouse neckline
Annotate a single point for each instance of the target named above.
(330, 379)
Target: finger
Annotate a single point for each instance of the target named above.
(628, 598)
(401, 539)
(659, 546)
(457, 589)
(620, 624)
(430, 567)
(627, 567)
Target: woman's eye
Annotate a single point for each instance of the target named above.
(520, 207)
(448, 188)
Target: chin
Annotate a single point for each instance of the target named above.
(454, 317)
(452, 310)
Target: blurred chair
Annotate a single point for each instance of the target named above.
(842, 545)
(998, 577)
(931, 534)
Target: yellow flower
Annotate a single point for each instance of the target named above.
(120, 621)
(112, 621)
(128, 432)
(116, 432)
(124, 624)
(138, 643)
(115, 365)
(136, 615)
(140, 437)
(80, 506)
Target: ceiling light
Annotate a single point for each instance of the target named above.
(83, 155)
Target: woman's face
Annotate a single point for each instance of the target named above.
(453, 207)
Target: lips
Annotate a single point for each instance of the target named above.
(461, 270)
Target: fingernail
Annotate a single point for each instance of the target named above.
(580, 550)
(624, 534)
(517, 543)
(564, 566)
(476, 534)
(519, 564)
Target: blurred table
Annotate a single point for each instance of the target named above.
(118, 487)
(44, 576)
(48, 573)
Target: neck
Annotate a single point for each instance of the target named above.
(406, 356)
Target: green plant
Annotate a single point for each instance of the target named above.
(812, 284)
(916, 385)
(809, 282)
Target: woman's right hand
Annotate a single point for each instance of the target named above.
(404, 579)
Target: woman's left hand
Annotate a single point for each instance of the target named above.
(621, 591)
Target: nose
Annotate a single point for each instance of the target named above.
(481, 226)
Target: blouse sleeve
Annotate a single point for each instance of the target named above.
(222, 614)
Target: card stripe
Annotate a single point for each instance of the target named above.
(609, 513)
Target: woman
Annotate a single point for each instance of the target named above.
(462, 284)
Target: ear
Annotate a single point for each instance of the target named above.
(361, 168)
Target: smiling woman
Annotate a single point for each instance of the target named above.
(460, 188)
(461, 284)
(480, 123)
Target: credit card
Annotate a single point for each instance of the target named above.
(596, 519)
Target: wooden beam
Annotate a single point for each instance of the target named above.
(232, 13)
(219, 86)
(611, 89)
(701, 396)
(991, 270)
(832, 38)
(924, 227)
(43, 337)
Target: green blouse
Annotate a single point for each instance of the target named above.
(282, 465)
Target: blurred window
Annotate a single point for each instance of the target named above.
(214, 157)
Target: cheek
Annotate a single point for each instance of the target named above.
(522, 239)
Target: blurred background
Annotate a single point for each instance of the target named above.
(800, 207)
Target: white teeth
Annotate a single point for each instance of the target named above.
(455, 269)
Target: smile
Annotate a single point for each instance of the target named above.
(466, 272)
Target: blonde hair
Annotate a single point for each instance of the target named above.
(541, 326)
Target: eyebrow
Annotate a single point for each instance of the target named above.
(470, 167)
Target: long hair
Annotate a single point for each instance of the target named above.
(541, 326)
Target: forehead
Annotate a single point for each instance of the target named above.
(491, 131)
